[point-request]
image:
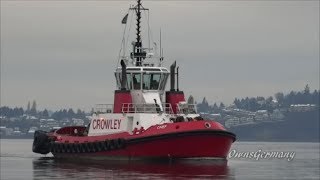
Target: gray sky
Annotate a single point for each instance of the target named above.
(63, 54)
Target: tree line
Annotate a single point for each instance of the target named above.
(280, 100)
(31, 110)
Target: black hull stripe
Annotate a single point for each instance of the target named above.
(182, 134)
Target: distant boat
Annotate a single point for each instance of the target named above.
(141, 123)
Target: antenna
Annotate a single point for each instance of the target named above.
(161, 49)
(160, 45)
(162, 54)
(148, 32)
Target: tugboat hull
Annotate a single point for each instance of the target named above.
(181, 143)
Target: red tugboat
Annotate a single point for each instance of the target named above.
(141, 123)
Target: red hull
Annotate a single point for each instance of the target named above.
(177, 140)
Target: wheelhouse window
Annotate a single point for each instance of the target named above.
(136, 79)
(129, 81)
(117, 75)
(151, 81)
(163, 81)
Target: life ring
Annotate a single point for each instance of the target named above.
(207, 125)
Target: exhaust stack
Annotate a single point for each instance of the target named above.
(172, 76)
(123, 75)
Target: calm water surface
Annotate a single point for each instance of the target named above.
(18, 162)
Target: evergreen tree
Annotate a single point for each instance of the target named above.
(45, 113)
(70, 113)
(222, 106)
(237, 103)
(205, 105)
(315, 97)
(28, 108)
(190, 100)
(80, 114)
(307, 90)
(279, 97)
(269, 99)
(33, 110)
(215, 107)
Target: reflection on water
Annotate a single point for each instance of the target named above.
(18, 162)
(195, 169)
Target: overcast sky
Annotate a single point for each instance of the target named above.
(63, 54)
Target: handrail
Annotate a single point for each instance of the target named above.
(146, 108)
(187, 108)
(103, 108)
(135, 108)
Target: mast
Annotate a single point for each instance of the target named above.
(138, 53)
(138, 43)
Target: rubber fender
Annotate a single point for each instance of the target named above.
(87, 147)
(65, 147)
(77, 148)
(92, 147)
(40, 142)
(112, 144)
(106, 143)
(103, 146)
(121, 143)
(98, 146)
(52, 147)
(62, 148)
(73, 148)
(56, 148)
(83, 147)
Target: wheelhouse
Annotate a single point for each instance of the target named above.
(144, 78)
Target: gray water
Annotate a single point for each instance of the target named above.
(18, 162)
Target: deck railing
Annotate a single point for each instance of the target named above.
(134, 108)
(146, 108)
(103, 108)
(187, 108)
